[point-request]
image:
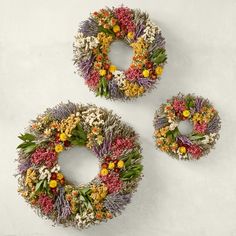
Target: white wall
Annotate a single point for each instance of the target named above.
(175, 198)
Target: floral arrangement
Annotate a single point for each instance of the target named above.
(47, 190)
(204, 118)
(91, 48)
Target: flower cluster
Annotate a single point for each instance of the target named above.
(91, 48)
(205, 121)
(44, 186)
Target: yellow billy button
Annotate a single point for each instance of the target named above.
(146, 73)
(116, 28)
(102, 72)
(104, 172)
(63, 137)
(111, 165)
(130, 35)
(59, 148)
(186, 113)
(182, 150)
(60, 176)
(120, 164)
(112, 68)
(53, 184)
(159, 70)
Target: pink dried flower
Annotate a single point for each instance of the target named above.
(120, 145)
(93, 80)
(112, 182)
(200, 128)
(195, 151)
(125, 19)
(44, 156)
(46, 204)
(133, 74)
(179, 105)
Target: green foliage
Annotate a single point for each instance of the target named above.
(106, 31)
(28, 144)
(159, 56)
(173, 133)
(132, 172)
(130, 157)
(79, 136)
(189, 102)
(84, 196)
(102, 87)
(196, 137)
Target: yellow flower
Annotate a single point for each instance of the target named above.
(130, 35)
(59, 148)
(186, 113)
(53, 184)
(99, 139)
(60, 176)
(63, 137)
(159, 70)
(102, 72)
(111, 165)
(182, 150)
(104, 172)
(112, 68)
(120, 164)
(116, 28)
(146, 73)
(30, 177)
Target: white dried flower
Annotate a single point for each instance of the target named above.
(85, 43)
(173, 125)
(44, 173)
(150, 31)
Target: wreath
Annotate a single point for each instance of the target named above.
(44, 186)
(91, 48)
(202, 115)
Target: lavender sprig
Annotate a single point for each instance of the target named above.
(116, 202)
(62, 111)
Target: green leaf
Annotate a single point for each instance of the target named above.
(39, 185)
(30, 148)
(159, 56)
(27, 137)
(106, 31)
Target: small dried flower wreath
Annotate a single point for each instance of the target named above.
(44, 186)
(91, 49)
(206, 125)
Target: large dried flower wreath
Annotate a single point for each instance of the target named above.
(45, 187)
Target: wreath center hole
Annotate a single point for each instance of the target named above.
(79, 165)
(185, 127)
(120, 54)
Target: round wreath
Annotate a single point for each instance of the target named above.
(205, 121)
(45, 187)
(91, 49)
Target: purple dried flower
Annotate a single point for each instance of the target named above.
(62, 111)
(62, 206)
(160, 122)
(139, 30)
(89, 27)
(24, 166)
(104, 148)
(116, 202)
(159, 42)
(86, 66)
(114, 90)
(184, 140)
(146, 83)
(199, 103)
(214, 125)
